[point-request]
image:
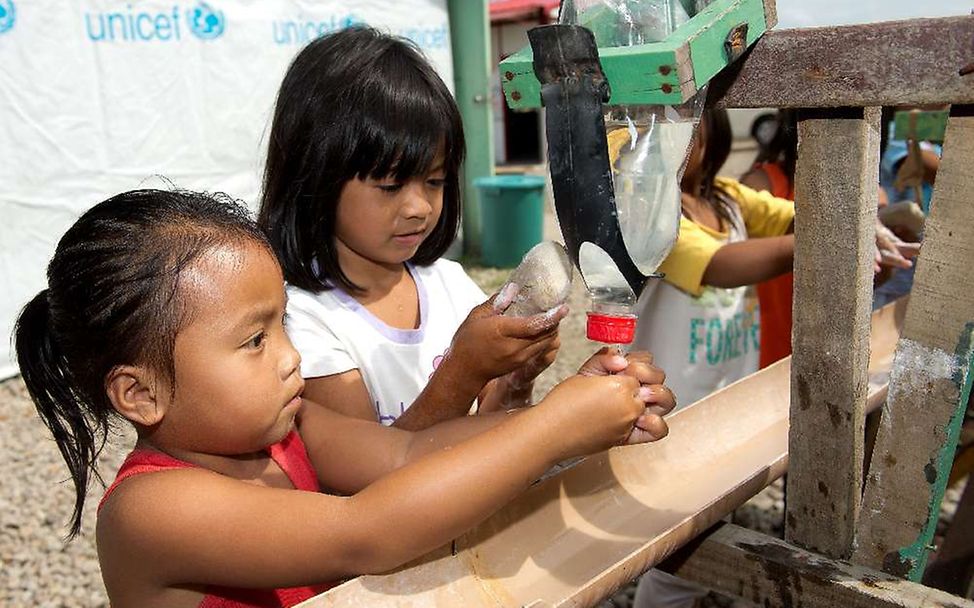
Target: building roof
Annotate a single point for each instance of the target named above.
(514, 10)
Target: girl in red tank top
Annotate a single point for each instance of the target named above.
(164, 309)
(774, 171)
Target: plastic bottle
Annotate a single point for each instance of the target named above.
(611, 319)
(647, 149)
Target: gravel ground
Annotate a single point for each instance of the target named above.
(38, 569)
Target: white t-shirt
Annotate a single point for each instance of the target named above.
(706, 337)
(335, 334)
(703, 342)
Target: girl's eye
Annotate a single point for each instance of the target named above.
(390, 188)
(257, 341)
(436, 182)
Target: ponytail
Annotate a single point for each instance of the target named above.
(111, 300)
(73, 424)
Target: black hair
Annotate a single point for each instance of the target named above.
(354, 104)
(783, 146)
(715, 124)
(112, 299)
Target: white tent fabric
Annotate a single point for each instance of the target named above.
(101, 96)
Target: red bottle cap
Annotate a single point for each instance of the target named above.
(611, 329)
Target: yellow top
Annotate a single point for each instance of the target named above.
(762, 214)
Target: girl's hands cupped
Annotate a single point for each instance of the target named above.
(489, 345)
(593, 413)
(659, 399)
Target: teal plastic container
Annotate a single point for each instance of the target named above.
(512, 208)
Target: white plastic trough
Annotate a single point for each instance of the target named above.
(575, 538)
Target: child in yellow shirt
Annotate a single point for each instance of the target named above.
(701, 318)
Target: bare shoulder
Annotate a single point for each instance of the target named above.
(756, 179)
(143, 504)
(146, 522)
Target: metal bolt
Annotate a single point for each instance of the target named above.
(665, 69)
(509, 75)
(667, 88)
(516, 95)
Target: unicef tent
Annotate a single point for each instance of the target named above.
(100, 96)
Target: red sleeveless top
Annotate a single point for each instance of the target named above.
(774, 295)
(292, 457)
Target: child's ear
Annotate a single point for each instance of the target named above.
(132, 390)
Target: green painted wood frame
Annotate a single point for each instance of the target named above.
(929, 125)
(667, 72)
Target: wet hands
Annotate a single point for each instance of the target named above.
(891, 251)
(490, 345)
(658, 399)
(593, 413)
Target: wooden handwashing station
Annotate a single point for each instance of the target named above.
(863, 489)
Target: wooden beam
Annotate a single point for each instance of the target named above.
(930, 380)
(835, 196)
(877, 64)
(771, 572)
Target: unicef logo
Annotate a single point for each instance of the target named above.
(7, 15)
(205, 22)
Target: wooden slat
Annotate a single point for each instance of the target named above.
(876, 64)
(930, 379)
(836, 197)
(771, 572)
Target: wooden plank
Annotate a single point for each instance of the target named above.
(836, 198)
(877, 64)
(931, 380)
(771, 572)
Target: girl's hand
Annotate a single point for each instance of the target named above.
(660, 400)
(892, 252)
(523, 377)
(594, 413)
(489, 345)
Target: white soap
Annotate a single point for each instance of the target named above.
(544, 277)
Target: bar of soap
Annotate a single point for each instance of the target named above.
(545, 280)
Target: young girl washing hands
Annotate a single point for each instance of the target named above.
(361, 199)
(165, 310)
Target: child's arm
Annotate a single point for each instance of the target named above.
(487, 345)
(191, 527)
(515, 389)
(331, 437)
(751, 261)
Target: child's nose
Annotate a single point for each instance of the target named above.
(290, 361)
(417, 203)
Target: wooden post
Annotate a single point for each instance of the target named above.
(836, 190)
(930, 380)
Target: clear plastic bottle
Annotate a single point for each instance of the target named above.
(647, 150)
(647, 146)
